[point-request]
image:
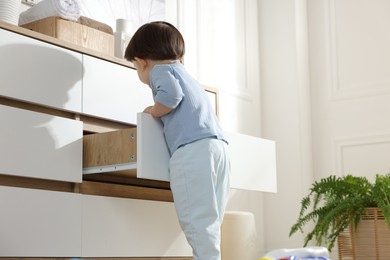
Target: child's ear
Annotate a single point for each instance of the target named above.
(143, 63)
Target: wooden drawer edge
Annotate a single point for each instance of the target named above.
(40, 184)
(125, 191)
(90, 188)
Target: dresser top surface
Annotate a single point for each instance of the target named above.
(61, 43)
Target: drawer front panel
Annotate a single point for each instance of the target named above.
(113, 91)
(38, 223)
(253, 159)
(116, 227)
(38, 72)
(39, 145)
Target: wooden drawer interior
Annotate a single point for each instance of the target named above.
(114, 151)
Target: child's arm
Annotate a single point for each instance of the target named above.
(158, 110)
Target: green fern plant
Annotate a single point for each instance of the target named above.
(333, 203)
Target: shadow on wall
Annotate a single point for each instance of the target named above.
(41, 74)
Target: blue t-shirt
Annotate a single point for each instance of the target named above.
(192, 117)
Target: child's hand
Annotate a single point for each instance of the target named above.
(158, 110)
(148, 110)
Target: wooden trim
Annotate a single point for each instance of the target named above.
(216, 92)
(94, 188)
(211, 89)
(125, 191)
(33, 183)
(36, 108)
(126, 178)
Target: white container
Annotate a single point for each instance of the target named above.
(9, 11)
(122, 36)
(238, 236)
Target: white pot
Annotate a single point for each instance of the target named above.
(9, 11)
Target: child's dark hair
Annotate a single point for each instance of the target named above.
(156, 41)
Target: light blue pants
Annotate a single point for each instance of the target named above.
(199, 177)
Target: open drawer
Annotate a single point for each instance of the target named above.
(141, 153)
(134, 152)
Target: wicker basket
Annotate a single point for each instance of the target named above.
(370, 241)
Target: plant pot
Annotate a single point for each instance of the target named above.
(369, 241)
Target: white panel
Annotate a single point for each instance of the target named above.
(152, 151)
(39, 145)
(117, 227)
(39, 223)
(253, 159)
(113, 91)
(38, 72)
(360, 52)
(253, 163)
(355, 156)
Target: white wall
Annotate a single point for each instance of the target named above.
(350, 59)
(325, 89)
(350, 87)
(285, 117)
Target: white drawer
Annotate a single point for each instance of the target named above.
(40, 145)
(113, 91)
(117, 227)
(38, 223)
(38, 72)
(253, 160)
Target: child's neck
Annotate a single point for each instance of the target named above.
(163, 61)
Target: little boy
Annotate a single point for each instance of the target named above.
(199, 166)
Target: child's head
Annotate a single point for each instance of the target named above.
(156, 41)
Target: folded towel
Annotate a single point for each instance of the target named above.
(66, 9)
(310, 252)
